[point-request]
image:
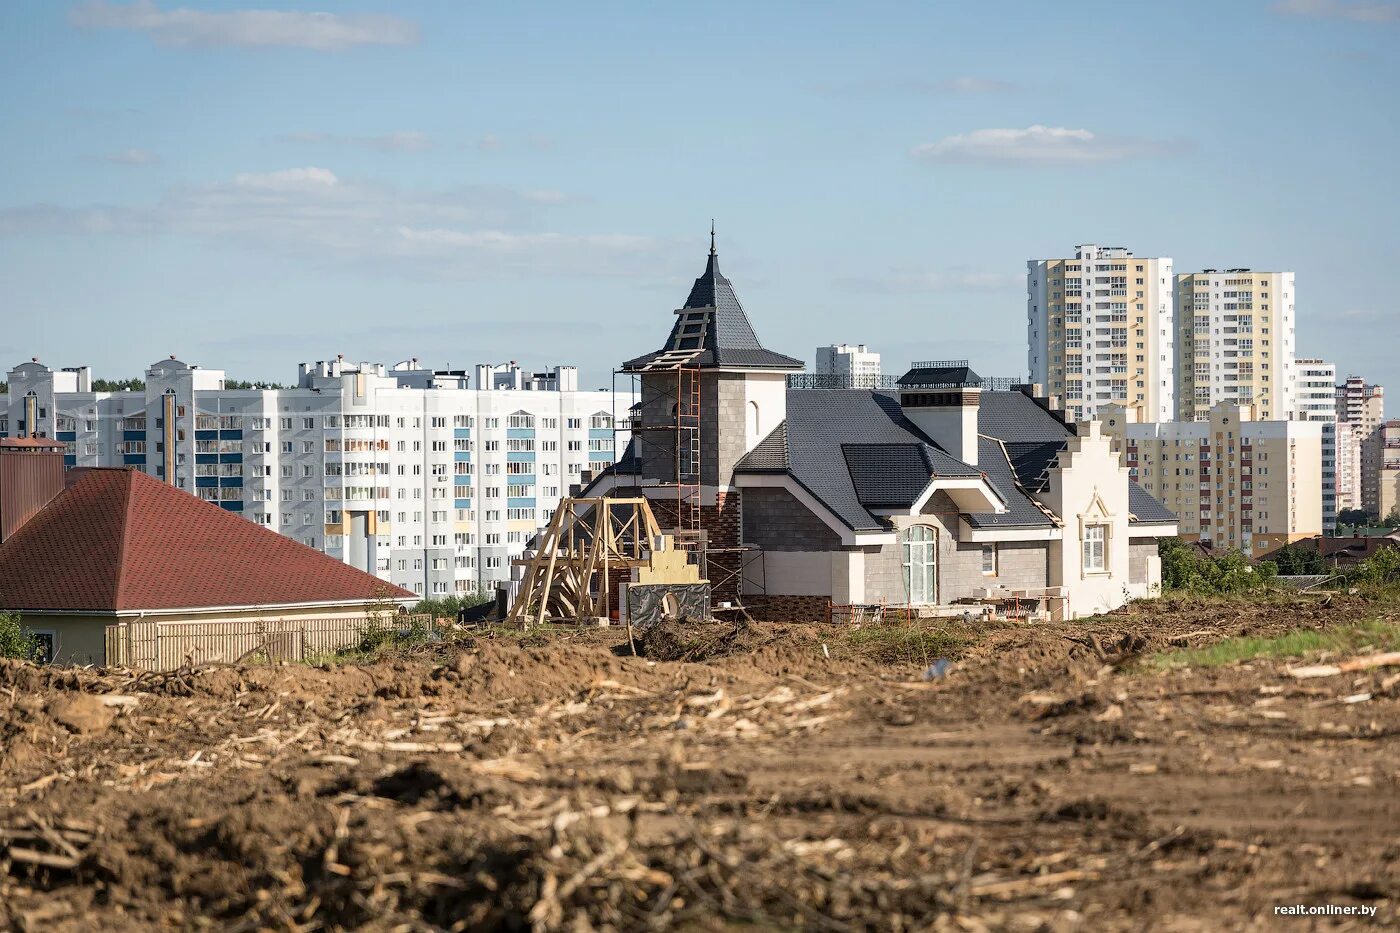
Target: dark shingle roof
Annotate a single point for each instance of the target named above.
(952, 373)
(1015, 417)
(894, 475)
(1021, 509)
(1145, 508)
(770, 456)
(835, 442)
(1032, 460)
(723, 335)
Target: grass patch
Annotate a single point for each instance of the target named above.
(1342, 639)
(917, 643)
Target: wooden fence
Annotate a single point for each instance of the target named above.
(167, 645)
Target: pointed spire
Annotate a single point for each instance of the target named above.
(712, 236)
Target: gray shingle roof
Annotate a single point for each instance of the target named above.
(770, 456)
(1146, 509)
(1015, 417)
(723, 335)
(833, 443)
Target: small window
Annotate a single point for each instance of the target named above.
(1095, 548)
(989, 559)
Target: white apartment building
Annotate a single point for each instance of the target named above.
(1235, 342)
(402, 471)
(1314, 399)
(858, 364)
(1100, 331)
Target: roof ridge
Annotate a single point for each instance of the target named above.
(129, 493)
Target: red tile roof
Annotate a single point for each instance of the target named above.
(119, 539)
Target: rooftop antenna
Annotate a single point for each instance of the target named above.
(712, 236)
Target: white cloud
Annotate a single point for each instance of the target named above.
(1040, 144)
(1340, 9)
(245, 28)
(128, 157)
(911, 281)
(313, 213)
(404, 141)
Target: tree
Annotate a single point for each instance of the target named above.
(118, 385)
(1298, 559)
(1392, 518)
(1353, 517)
(16, 641)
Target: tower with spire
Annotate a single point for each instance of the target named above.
(710, 393)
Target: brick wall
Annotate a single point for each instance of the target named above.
(1138, 552)
(787, 608)
(721, 521)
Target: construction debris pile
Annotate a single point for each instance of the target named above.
(785, 781)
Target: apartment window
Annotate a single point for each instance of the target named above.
(1095, 548)
(308, 423)
(989, 559)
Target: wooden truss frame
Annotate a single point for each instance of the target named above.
(569, 579)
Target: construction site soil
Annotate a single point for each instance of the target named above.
(779, 778)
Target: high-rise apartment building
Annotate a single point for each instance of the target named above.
(1362, 406)
(1233, 482)
(1384, 454)
(856, 363)
(1361, 403)
(1314, 399)
(1100, 331)
(1348, 460)
(1235, 342)
(402, 471)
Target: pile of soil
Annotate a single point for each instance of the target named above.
(734, 775)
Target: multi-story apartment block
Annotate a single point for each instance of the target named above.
(402, 471)
(1233, 482)
(1384, 451)
(1362, 406)
(1361, 403)
(1100, 331)
(1314, 399)
(855, 364)
(1348, 459)
(1235, 333)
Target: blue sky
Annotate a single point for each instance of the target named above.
(250, 184)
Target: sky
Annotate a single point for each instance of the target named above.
(252, 184)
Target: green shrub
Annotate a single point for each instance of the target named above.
(1184, 569)
(446, 607)
(16, 641)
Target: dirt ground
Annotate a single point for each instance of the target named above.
(779, 781)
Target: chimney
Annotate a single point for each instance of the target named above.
(948, 415)
(31, 475)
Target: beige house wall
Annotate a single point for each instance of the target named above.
(1089, 487)
(80, 638)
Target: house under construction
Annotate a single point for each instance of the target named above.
(933, 496)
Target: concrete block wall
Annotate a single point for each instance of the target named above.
(776, 521)
(1139, 551)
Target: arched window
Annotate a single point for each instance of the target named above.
(920, 547)
(753, 422)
